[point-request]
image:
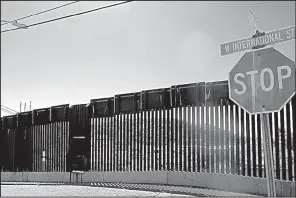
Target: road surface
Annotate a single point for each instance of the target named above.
(67, 190)
(108, 189)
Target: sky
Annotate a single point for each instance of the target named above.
(128, 48)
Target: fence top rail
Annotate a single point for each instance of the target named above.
(135, 94)
(128, 95)
(60, 106)
(25, 113)
(77, 105)
(41, 109)
(101, 99)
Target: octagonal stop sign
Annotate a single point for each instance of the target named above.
(263, 81)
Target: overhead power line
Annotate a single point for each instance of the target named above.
(7, 111)
(68, 16)
(8, 108)
(55, 8)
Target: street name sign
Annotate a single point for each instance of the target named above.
(269, 38)
(263, 81)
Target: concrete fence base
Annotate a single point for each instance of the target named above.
(231, 183)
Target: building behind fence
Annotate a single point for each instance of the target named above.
(190, 128)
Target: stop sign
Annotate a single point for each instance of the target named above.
(263, 81)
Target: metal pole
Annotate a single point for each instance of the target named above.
(0, 178)
(268, 156)
(20, 106)
(0, 173)
(265, 125)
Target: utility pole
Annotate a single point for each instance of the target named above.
(25, 106)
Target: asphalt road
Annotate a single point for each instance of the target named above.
(68, 190)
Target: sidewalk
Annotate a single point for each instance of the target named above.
(193, 191)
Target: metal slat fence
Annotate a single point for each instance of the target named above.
(190, 128)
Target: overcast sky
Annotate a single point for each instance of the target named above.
(128, 48)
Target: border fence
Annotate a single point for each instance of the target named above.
(191, 128)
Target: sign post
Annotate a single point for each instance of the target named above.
(263, 81)
(0, 178)
(268, 155)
